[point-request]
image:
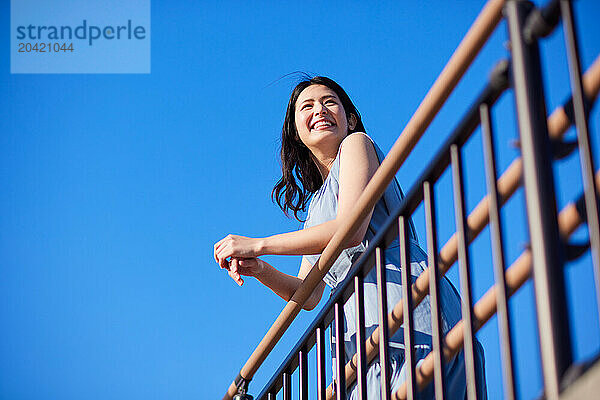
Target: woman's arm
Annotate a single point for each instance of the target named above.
(282, 284)
(358, 163)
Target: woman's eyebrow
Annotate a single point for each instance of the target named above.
(327, 96)
(305, 100)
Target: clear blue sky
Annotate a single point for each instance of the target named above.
(115, 188)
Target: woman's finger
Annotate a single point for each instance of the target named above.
(218, 247)
(233, 265)
(224, 253)
(236, 277)
(223, 263)
(222, 240)
(226, 238)
(245, 263)
(221, 260)
(220, 244)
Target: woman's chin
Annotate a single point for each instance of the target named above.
(325, 133)
(325, 136)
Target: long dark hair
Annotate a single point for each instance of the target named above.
(300, 176)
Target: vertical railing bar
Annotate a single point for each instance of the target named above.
(321, 383)
(583, 138)
(498, 252)
(340, 352)
(271, 396)
(409, 353)
(361, 367)
(464, 270)
(540, 199)
(287, 386)
(384, 337)
(436, 322)
(303, 375)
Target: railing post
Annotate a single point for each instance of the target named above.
(287, 386)
(361, 364)
(498, 253)
(546, 247)
(321, 385)
(437, 334)
(583, 139)
(340, 351)
(465, 273)
(384, 336)
(405, 269)
(303, 375)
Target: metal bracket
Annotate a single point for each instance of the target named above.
(560, 148)
(242, 384)
(575, 250)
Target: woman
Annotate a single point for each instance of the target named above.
(327, 159)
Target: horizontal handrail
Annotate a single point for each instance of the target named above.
(508, 183)
(516, 275)
(467, 50)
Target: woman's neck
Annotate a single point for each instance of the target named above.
(324, 164)
(324, 155)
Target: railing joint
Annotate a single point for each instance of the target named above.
(499, 77)
(559, 147)
(242, 385)
(575, 250)
(541, 21)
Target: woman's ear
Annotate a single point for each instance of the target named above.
(352, 121)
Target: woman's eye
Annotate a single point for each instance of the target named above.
(304, 107)
(330, 102)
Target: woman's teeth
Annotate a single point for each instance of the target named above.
(322, 125)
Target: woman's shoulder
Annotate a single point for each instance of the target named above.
(356, 138)
(353, 140)
(351, 146)
(358, 143)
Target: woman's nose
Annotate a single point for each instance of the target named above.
(319, 109)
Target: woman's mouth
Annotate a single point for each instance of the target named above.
(322, 125)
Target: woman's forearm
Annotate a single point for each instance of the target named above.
(284, 285)
(305, 241)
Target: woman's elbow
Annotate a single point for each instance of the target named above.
(356, 239)
(355, 242)
(310, 305)
(313, 300)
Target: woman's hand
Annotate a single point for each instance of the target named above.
(236, 246)
(239, 267)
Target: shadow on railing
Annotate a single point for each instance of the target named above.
(540, 142)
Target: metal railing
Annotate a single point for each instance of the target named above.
(549, 231)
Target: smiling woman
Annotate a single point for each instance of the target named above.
(327, 160)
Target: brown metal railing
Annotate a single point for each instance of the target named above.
(558, 123)
(524, 33)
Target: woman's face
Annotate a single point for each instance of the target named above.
(321, 120)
